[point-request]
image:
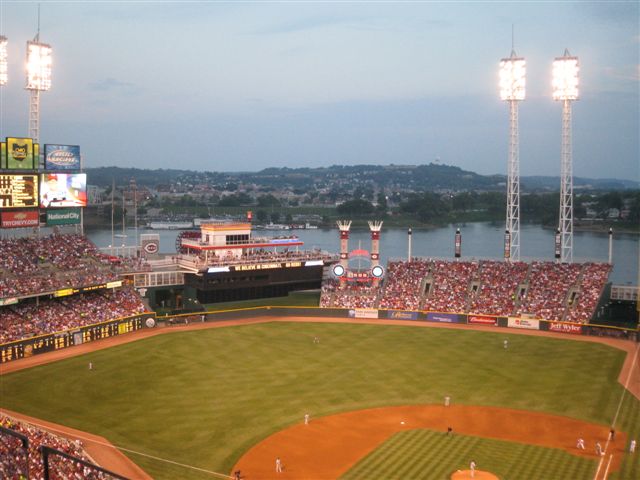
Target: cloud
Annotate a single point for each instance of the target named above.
(111, 84)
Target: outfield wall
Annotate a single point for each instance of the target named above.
(55, 341)
(521, 323)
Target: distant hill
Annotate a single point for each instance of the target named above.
(430, 177)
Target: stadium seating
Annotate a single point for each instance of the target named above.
(12, 464)
(33, 265)
(31, 318)
(545, 290)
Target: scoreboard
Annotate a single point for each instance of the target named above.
(18, 191)
(56, 341)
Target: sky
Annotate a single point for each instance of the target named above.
(242, 86)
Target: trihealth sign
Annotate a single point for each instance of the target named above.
(63, 216)
(526, 323)
(363, 313)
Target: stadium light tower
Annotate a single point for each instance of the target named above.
(38, 79)
(565, 89)
(512, 89)
(4, 76)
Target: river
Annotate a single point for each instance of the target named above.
(479, 241)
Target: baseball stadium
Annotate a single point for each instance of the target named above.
(420, 368)
(277, 361)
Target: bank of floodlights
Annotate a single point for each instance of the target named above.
(38, 66)
(512, 78)
(3, 61)
(512, 90)
(565, 77)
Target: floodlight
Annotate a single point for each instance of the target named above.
(3, 60)
(38, 66)
(338, 270)
(512, 78)
(565, 78)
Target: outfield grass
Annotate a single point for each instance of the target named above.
(204, 397)
(430, 455)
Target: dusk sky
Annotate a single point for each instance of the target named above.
(241, 86)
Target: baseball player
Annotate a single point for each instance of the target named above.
(506, 344)
(306, 419)
(472, 467)
(278, 465)
(599, 451)
(632, 446)
(580, 444)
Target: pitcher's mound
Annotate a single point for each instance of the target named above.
(479, 475)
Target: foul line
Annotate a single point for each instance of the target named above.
(110, 445)
(615, 418)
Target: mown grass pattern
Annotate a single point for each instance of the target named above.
(430, 455)
(203, 398)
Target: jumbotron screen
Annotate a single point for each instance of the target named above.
(63, 190)
(18, 191)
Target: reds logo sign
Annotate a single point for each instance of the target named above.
(151, 248)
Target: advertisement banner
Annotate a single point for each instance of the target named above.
(63, 190)
(565, 328)
(19, 153)
(442, 317)
(507, 245)
(63, 216)
(18, 191)
(61, 157)
(3, 155)
(8, 301)
(483, 319)
(21, 219)
(398, 315)
(526, 323)
(363, 313)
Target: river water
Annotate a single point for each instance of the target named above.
(479, 241)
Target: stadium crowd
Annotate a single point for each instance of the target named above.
(546, 290)
(13, 458)
(403, 288)
(450, 286)
(594, 278)
(497, 292)
(258, 255)
(352, 295)
(31, 265)
(549, 284)
(31, 318)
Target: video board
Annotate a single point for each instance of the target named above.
(19, 154)
(61, 157)
(63, 190)
(18, 191)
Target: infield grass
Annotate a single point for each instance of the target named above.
(430, 455)
(204, 397)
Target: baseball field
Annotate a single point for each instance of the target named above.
(213, 400)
